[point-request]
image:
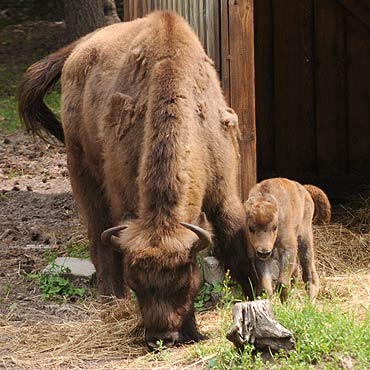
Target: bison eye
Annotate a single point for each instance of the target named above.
(275, 228)
(252, 229)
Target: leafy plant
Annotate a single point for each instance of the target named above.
(207, 296)
(325, 337)
(12, 175)
(53, 285)
(50, 255)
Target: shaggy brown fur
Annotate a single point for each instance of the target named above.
(279, 216)
(148, 133)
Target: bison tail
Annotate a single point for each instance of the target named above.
(322, 205)
(36, 82)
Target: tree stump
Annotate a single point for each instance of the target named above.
(254, 323)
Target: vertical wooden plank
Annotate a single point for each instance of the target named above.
(263, 36)
(201, 23)
(225, 49)
(358, 43)
(195, 12)
(133, 10)
(216, 34)
(139, 8)
(294, 89)
(331, 88)
(180, 7)
(186, 10)
(145, 8)
(126, 10)
(360, 9)
(210, 29)
(241, 39)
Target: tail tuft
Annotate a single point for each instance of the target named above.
(322, 205)
(36, 82)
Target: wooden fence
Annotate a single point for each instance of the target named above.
(313, 91)
(225, 29)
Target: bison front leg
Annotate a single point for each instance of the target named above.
(287, 265)
(264, 274)
(228, 222)
(89, 196)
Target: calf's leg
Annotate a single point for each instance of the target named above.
(263, 269)
(287, 264)
(307, 260)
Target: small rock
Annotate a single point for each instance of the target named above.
(15, 188)
(212, 270)
(31, 156)
(6, 233)
(35, 235)
(44, 180)
(78, 267)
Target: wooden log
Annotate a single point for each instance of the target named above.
(254, 323)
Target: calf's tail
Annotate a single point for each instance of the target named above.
(36, 82)
(322, 205)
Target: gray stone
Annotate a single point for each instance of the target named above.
(78, 267)
(212, 270)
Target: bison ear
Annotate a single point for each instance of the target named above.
(229, 118)
(249, 202)
(205, 238)
(110, 237)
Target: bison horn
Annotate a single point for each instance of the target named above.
(110, 236)
(203, 235)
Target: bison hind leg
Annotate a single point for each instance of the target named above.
(307, 262)
(87, 191)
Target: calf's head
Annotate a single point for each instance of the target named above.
(163, 273)
(262, 224)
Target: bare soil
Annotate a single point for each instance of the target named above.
(37, 211)
(37, 215)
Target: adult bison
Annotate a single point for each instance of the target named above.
(148, 134)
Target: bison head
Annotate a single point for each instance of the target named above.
(262, 224)
(163, 273)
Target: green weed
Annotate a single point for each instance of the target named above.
(207, 295)
(54, 286)
(325, 336)
(77, 250)
(9, 118)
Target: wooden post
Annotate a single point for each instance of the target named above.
(238, 80)
(254, 322)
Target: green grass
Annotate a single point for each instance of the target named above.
(9, 119)
(325, 336)
(77, 250)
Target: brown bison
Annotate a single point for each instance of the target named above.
(279, 215)
(151, 144)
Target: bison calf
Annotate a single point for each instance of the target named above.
(279, 215)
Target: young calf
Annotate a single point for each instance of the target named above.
(279, 226)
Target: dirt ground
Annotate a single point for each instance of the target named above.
(38, 214)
